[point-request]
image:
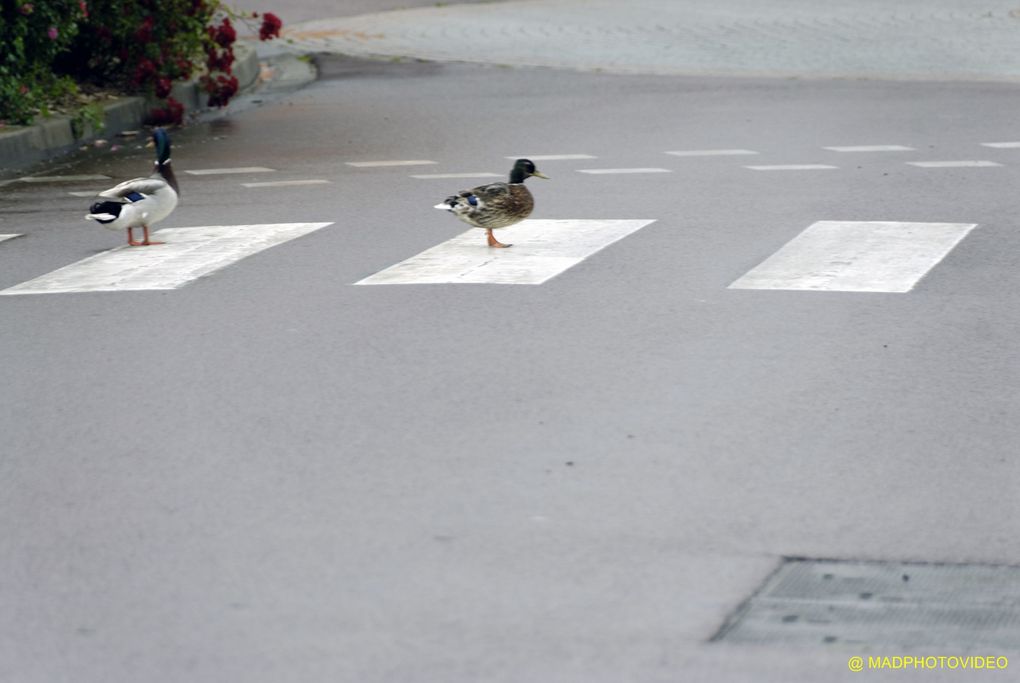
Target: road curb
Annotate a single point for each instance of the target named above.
(23, 146)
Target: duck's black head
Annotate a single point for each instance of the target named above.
(524, 168)
(161, 140)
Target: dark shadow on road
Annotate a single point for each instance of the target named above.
(334, 67)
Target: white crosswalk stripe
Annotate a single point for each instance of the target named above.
(953, 164)
(189, 253)
(454, 176)
(63, 178)
(4, 238)
(712, 152)
(857, 256)
(229, 171)
(614, 171)
(287, 183)
(541, 250)
(871, 148)
(384, 164)
(793, 167)
(553, 157)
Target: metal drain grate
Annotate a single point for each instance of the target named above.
(807, 602)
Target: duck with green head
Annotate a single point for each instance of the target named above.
(140, 202)
(496, 205)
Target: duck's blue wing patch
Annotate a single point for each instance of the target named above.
(134, 196)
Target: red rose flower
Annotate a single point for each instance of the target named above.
(219, 60)
(143, 33)
(145, 70)
(271, 26)
(171, 114)
(225, 35)
(163, 87)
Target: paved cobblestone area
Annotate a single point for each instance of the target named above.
(906, 39)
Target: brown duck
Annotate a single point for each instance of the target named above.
(496, 205)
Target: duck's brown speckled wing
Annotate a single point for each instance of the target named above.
(498, 205)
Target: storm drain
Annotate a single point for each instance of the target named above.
(881, 604)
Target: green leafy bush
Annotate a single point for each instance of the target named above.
(130, 45)
(32, 34)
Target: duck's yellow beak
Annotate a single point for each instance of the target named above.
(539, 174)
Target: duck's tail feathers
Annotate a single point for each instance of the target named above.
(104, 212)
(462, 203)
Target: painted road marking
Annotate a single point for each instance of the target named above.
(553, 157)
(85, 193)
(189, 253)
(856, 256)
(1002, 145)
(609, 171)
(792, 167)
(381, 164)
(287, 183)
(4, 238)
(542, 249)
(62, 178)
(226, 171)
(872, 148)
(434, 176)
(952, 164)
(712, 152)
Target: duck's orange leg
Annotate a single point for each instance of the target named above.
(146, 242)
(493, 242)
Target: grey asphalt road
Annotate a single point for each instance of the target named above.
(274, 475)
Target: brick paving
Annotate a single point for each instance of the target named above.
(906, 39)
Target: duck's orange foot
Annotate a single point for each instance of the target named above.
(493, 242)
(146, 242)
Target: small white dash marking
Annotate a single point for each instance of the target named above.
(4, 238)
(433, 176)
(554, 157)
(287, 183)
(856, 256)
(382, 164)
(1002, 145)
(84, 193)
(541, 250)
(62, 178)
(712, 152)
(189, 253)
(609, 171)
(952, 164)
(227, 171)
(793, 167)
(871, 148)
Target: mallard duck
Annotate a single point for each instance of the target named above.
(496, 205)
(143, 201)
